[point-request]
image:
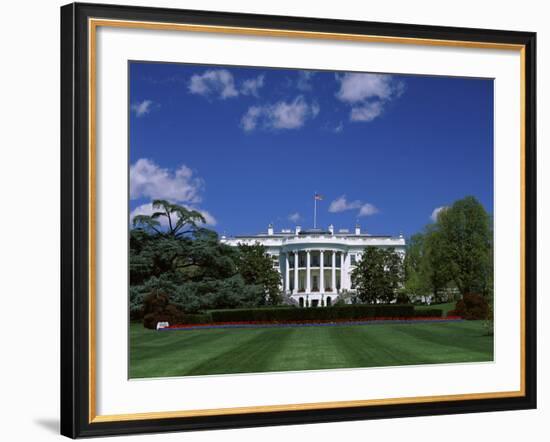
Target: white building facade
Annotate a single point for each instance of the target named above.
(316, 264)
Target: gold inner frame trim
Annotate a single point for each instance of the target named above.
(93, 24)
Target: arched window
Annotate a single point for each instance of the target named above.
(329, 301)
(301, 301)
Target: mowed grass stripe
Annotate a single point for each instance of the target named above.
(372, 347)
(245, 353)
(175, 353)
(225, 351)
(458, 342)
(310, 348)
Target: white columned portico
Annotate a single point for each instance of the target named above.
(322, 271)
(333, 271)
(308, 271)
(287, 273)
(296, 280)
(342, 270)
(302, 277)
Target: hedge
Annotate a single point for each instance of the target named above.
(199, 318)
(429, 313)
(358, 311)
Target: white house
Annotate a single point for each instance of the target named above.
(316, 264)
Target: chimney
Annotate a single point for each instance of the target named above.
(331, 229)
(298, 229)
(357, 229)
(270, 229)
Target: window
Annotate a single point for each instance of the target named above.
(315, 259)
(353, 259)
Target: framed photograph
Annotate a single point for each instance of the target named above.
(274, 220)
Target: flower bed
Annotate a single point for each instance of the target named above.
(312, 323)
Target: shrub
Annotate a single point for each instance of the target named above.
(402, 298)
(357, 311)
(471, 306)
(157, 308)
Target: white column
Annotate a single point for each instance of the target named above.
(296, 280)
(287, 273)
(333, 271)
(322, 271)
(308, 272)
(342, 271)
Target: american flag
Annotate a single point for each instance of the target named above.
(318, 197)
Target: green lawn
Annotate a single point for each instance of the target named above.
(445, 307)
(218, 351)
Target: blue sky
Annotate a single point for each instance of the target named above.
(250, 146)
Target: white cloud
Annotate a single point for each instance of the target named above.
(147, 209)
(341, 204)
(250, 119)
(366, 111)
(149, 180)
(218, 82)
(367, 94)
(142, 108)
(295, 217)
(355, 88)
(281, 115)
(304, 80)
(436, 213)
(252, 86)
(367, 210)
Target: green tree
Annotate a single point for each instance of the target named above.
(417, 281)
(206, 257)
(435, 266)
(179, 220)
(256, 268)
(378, 275)
(171, 252)
(464, 238)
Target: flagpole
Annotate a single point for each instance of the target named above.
(315, 210)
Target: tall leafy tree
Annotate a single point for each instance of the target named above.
(256, 268)
(454, 251)
(417, 281)
(465, 242)
(378, 275)
(435, 265)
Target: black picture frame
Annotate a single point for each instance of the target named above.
(75, 221)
